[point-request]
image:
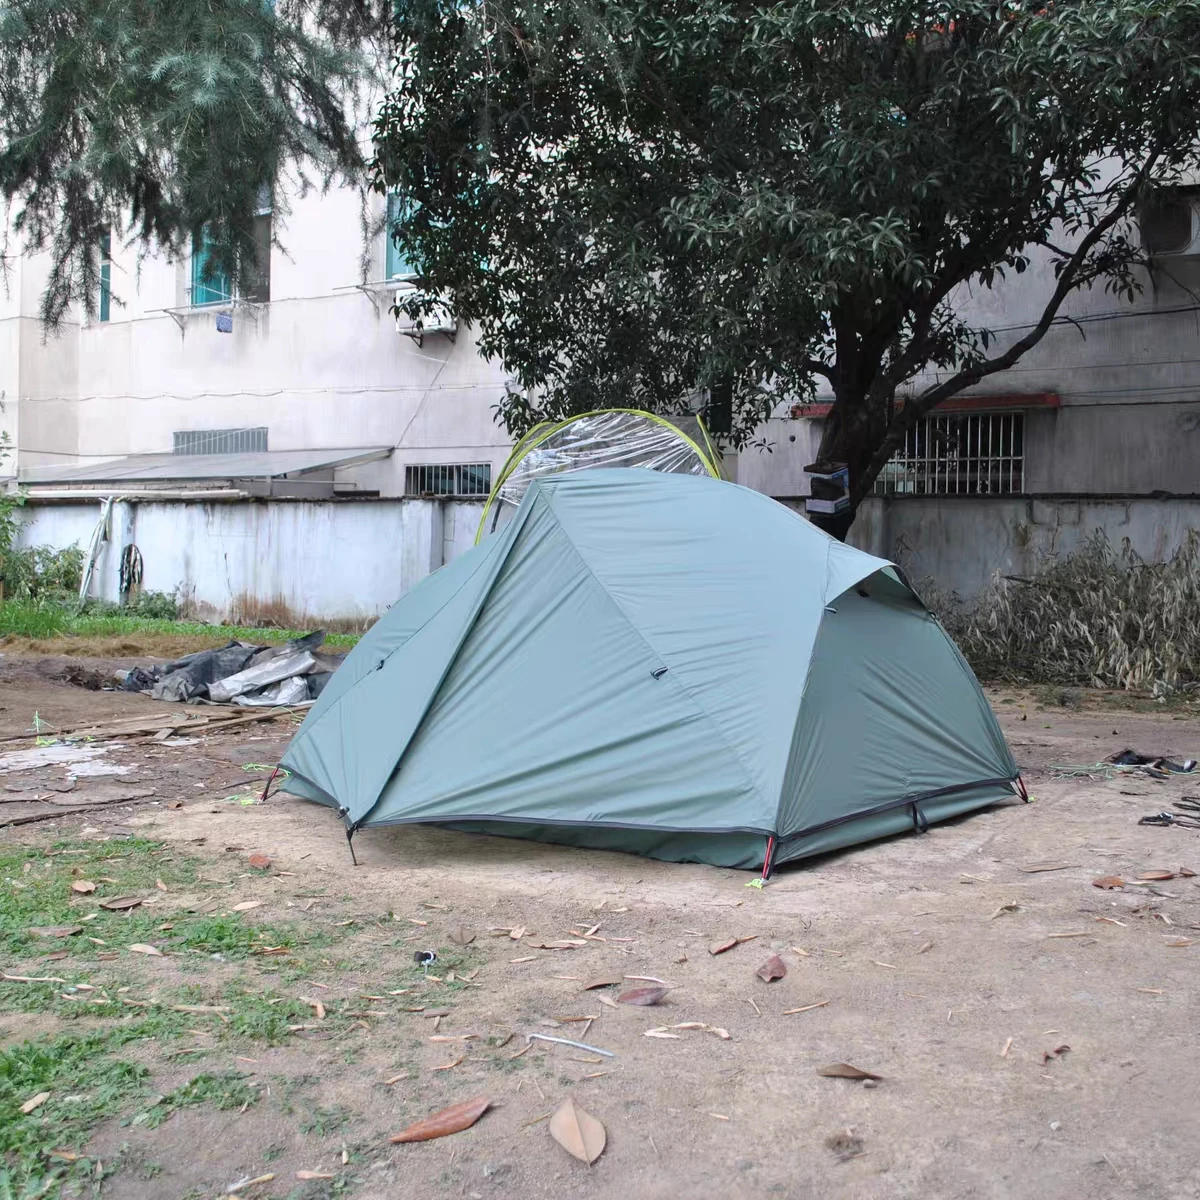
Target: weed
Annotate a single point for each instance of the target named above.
(224, 1091)
(325, 1122)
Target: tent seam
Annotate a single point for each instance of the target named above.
(548, 495)
(517, 526)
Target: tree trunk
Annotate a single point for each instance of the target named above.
(847, 438)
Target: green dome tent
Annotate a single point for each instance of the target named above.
(660, 663)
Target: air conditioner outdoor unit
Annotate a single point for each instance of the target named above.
(1170, 224)
(438, 320)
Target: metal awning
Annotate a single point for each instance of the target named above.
(204, 469)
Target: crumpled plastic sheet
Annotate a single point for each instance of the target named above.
(609, 439)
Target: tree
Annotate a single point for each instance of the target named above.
(642, 201)
(159, 119)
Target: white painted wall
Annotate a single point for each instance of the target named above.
(296, 563)
(322, 365)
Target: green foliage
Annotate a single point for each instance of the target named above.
(225, 1091)
(639, 201)
(158, 119)
(42, 574)
(48, 619)
(158, 606)
(1096, 618)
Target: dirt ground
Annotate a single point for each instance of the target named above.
(940, 962)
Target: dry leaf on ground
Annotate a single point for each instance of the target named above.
(722, 946)
(723, 1034)
(120, 903)
(35, 1102)
(55, 931)
(1108, 883)
(260, 862)
(314, 1175)
(246, 906)
(1034, 868)
(602, 981)
(454, 1119)
(158, 883)
(642, 995)
(846, 1071)
(578, 1132)
(517, 934)
(142, 948)
(83, 886)
(1157, 876)
(462, 936)
(774, 968)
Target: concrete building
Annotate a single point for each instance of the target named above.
(1097, 427)
(295, 456)
(184, 401)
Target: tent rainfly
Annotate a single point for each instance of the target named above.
(661, 663)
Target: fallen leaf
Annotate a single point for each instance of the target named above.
(721, 947)
(1034, 868)
(723, 1034)
(462, 936)
(315, 1005)
(846, 1071)
(926, 947)
(525, 958)
(158, 883)
(142, 948)
(451, 1065)
(578, 1132)
(55, 931)
(1180, 942)
(1057, 1052)
(314, 1175)
(35, 1102)
(1185, 873)
(787, 1012)
(662, 1032)
(602, 981)
(561, 944)
(517, 934)
(1011, 906)
(260, 862)
(56, 955)
(1007, 1048)
(1157, 876)
(642, 995)
(454, 1119)
(606, 1000)
(1072, 934)
(120, 903)
(83, 886)
(1108, 883)
(246, 906)
(774, 968)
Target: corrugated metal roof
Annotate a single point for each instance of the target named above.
(174, 468)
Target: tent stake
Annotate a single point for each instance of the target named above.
(350, 843)
(769, 858)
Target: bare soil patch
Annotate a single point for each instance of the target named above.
(941, 962)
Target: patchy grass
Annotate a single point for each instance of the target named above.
(45, 625)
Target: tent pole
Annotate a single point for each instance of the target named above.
(263, 798)
(769, 858)
(1021, 790)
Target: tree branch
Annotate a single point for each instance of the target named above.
(1070, 278)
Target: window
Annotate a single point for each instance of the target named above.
(220, 441)
(105, 306)
(217, 289)
(972, 454)
(214, 289)
(397, 265)
(461, 480)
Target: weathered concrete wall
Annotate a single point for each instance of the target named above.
(960, 542)
(292, 562)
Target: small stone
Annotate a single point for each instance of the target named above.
(870, 1083)
(1055, 1126)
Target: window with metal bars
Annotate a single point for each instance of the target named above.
(959, 454)
(466, 481)
(219, 441)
